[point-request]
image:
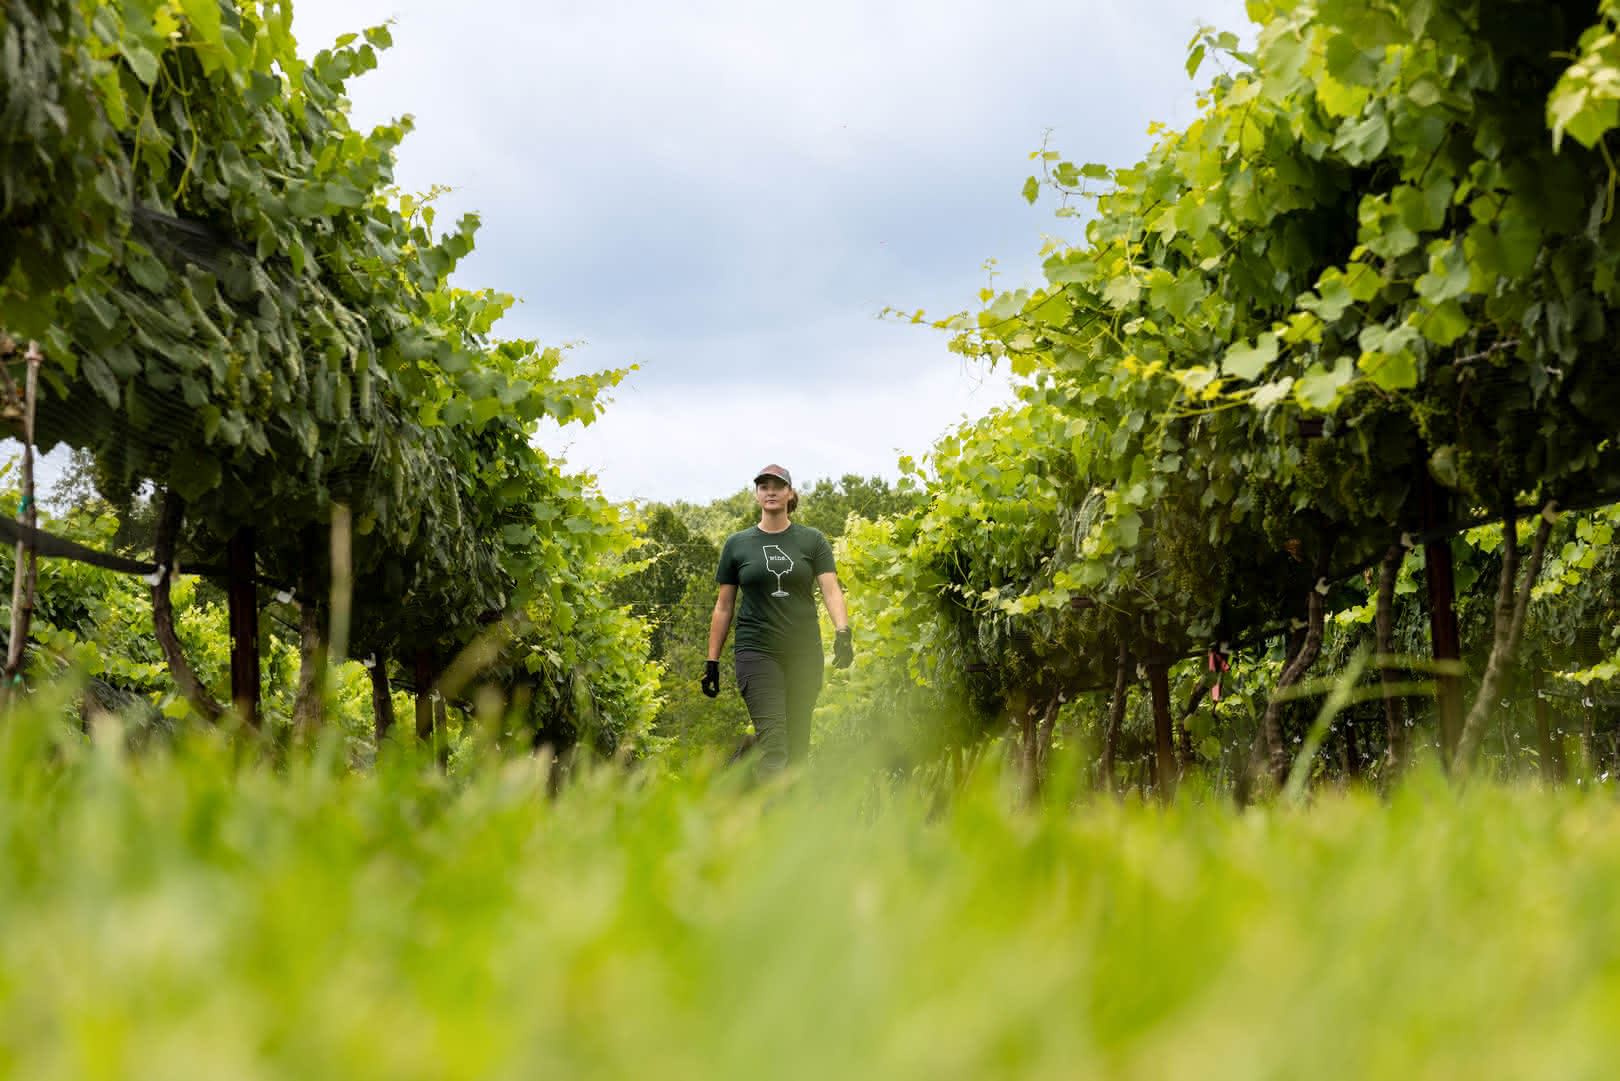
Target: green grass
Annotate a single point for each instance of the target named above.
(186, 915)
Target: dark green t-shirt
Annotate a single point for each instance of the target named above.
(776, 577)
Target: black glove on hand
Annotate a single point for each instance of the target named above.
(711, 678)
(843, 648)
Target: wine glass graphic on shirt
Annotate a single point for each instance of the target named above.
(778, 563)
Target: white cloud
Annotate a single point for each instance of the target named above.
(711, 186)
(693, 443)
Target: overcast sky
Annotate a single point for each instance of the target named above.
(726, 194)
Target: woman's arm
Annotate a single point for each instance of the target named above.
(720, 623)
(833, 594)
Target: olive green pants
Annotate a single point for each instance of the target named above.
(780, 692)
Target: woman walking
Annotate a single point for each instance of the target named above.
(776, 566)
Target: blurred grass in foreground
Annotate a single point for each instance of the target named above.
(182, 914)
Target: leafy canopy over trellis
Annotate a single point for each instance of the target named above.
(1370, 233)
(238, 308)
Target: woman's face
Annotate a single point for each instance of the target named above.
(772, 494)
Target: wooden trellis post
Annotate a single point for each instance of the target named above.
(1445, 640)
(382, 700)
(422, 674)
(1158, 672)
(243, 595)
(26, 568)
